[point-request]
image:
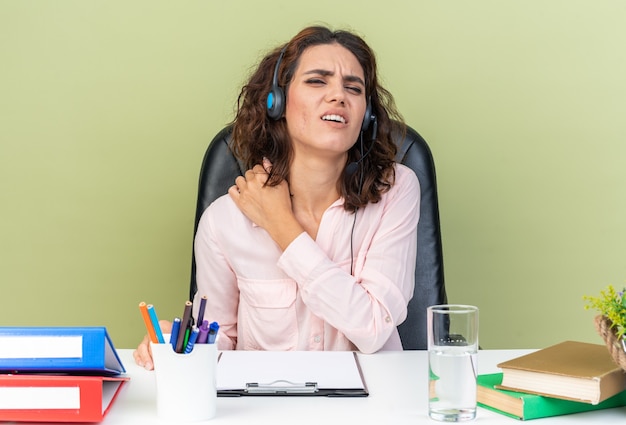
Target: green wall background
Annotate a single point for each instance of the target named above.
(106, 108)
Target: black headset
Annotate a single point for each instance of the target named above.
(276, 102)
(276, 107)
(369, 117)
(276, 96)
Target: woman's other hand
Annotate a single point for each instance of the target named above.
(143, 353)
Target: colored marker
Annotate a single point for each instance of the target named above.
(187, 335)
(175, 330)
(213, 328)
(204, 333)
(155, 323)
(143, 308)
(192, 340)
(203, 301)
(184, 324)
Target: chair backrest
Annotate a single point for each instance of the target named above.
(220, 168)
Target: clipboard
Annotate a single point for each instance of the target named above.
(290, 373)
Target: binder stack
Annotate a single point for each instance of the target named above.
(58, 374)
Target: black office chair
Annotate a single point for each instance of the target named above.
(220, 168)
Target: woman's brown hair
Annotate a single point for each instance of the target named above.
(256, 135)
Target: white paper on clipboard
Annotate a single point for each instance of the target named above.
(332, 372)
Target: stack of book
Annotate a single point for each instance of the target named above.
(58, 374)
(569, 377)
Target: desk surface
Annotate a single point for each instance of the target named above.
(397, 382)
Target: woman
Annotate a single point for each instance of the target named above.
(314, 248)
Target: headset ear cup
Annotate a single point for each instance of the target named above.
(276, 97)
(275, 103)
(367, 118)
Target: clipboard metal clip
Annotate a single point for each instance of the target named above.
(282, 386)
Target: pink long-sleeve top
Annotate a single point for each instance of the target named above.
(305, 298)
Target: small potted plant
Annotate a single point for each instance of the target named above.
(611, 322)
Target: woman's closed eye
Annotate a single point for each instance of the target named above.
(315, 81)
(320, 82)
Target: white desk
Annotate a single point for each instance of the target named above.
(397, 382)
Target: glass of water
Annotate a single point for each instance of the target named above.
(452, 352)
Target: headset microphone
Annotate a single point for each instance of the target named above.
(352, 167)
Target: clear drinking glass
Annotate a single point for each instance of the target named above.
(452, 352)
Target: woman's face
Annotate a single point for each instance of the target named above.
(326, 101)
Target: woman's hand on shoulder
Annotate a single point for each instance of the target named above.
(267, 206)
